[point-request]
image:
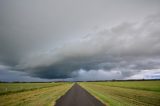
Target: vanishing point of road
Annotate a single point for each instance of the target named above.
(77, 96)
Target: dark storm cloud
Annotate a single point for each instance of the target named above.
(79, 39)
(9, 75)
(127, 47)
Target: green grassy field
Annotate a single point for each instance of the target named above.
(31, 94)
(125, 93)
(6, 88)
(122, 93)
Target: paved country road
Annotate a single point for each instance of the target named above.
(77, 96)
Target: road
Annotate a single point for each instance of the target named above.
(77, 96)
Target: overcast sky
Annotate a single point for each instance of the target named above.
(45, 40)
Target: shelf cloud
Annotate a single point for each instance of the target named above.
(76, 40)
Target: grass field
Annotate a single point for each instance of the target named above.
(6, 88)
(121, 93)
(125, 93)
(31, 94)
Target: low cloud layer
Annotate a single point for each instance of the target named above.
(6, 74)
(44, 51)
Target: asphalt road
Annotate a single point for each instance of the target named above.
(77, 96)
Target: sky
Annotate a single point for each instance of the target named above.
(48, 40)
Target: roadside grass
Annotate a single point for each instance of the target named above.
(124, 93)
(45, 96)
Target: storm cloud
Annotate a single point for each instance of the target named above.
(79, 39)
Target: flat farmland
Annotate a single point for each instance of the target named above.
(31, 94)
(125, 93)
(113, 93)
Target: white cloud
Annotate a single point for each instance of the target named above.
(146, 74)
(96, 75)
